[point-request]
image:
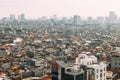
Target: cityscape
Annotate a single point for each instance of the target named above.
(75, 20)
(60, 49)
(59, 40)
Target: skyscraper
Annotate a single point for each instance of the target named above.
(89, 20)
(21, 17)
(77, 20)
(112, 17)
(12, 17)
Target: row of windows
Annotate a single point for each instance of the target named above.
(89, 63)
(117, 63)
(100, 75)
(116, 59)
(101, 70)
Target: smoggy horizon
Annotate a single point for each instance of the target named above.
(62, 8)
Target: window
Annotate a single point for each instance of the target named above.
(101, 75)
(92, 61)
(97, 76)
(104, 74)
(97, 70)
(87, 63)
(104, 68)
(92, 72)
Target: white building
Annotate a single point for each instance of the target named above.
(87, 59)
(99, 70)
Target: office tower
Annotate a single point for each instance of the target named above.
(21, 17)
(89, 20)
(77, 20)
(12, 17)
(112, 17)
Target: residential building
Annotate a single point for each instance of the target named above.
(115, 61)
(87, 59)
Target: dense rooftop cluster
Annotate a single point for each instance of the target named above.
(28, 50)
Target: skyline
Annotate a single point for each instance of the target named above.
(37, 8)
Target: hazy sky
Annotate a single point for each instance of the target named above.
(38, 8)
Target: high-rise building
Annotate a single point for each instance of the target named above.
(89, 20)
(21, 17)
(77, 20)
(112, 17)
(12, 17)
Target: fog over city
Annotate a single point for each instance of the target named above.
(37, 8)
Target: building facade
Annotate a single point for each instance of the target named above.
(87, 59)
(115, 61)
(99, 71)
(72, 73)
